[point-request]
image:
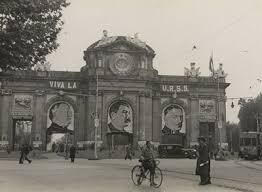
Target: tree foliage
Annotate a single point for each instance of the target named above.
(232, 134)
(28, 31)
(248, 113)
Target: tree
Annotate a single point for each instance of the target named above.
(232, 133)
(28, 31)
(249, 112)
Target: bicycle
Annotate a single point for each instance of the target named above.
(139, 174)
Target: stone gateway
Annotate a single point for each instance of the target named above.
(119, 86)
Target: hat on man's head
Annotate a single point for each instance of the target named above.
(201, 138)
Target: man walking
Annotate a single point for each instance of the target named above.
(72, 153)
(203, 162)
(128, 152)
(25, 149)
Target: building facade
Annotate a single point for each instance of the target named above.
(119, 86)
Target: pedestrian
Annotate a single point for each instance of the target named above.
(21, 159)
(8, 149)
(240, 156)
(72, 151)
(53, 147)
(258, 152)
(24, 151)
(128, 152)
(67, 150)
(203, 162)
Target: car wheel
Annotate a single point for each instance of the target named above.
(164, 155)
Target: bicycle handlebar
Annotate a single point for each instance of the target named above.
(156, 161)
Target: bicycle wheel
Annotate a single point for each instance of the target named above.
(136, 175)
(158, 177)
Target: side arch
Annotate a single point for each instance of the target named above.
(49, 104)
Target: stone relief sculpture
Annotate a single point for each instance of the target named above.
(192, 72)
(23, 102)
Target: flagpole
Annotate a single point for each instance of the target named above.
(218, 96)
(211, 68)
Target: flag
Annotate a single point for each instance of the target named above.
(211, 65)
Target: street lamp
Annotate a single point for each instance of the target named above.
(66, 143)
(258, 128)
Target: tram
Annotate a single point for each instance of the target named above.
(250, 145)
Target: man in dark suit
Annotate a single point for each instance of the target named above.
(72, 151)
(203, 162)
(173, 117)
(119, 114)
(25, 149)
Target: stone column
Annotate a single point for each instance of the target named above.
(80, 130)
(91, 126)
(156, 121)
(141, 118)
(193, 120)
(39, 124)
(5, 116)
(148, 119)
(222, 117)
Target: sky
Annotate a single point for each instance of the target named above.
(230, 29)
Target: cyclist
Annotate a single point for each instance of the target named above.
(148, 162)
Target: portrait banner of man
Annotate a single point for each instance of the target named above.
(120, 118)
(173, 120)
(60, 118)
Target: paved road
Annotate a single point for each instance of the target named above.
(234, 174)
(55, 175)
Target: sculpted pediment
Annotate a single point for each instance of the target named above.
(124, 46)
(121, 47)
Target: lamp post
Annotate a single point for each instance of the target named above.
(258, 128)
(66, 143)
(231, 135)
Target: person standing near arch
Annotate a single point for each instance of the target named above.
(203, 162)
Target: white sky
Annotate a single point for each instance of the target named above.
(232, 29)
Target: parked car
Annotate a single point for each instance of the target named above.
(175, 151)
